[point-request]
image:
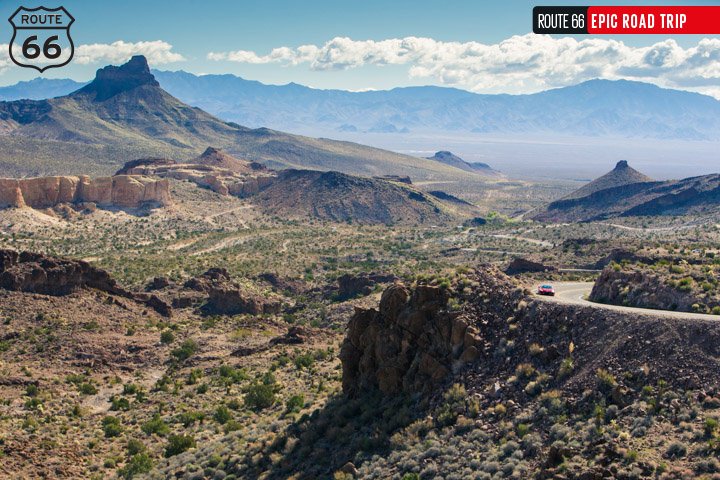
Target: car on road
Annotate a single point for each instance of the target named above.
(546, 290)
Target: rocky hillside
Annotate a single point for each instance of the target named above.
(120, 191)
(124, 113)
(663, 286)
(549, 390)
(329, 196)
(466, 377)
(339, 197)
(623, 193)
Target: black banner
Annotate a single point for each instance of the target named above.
(567, 20)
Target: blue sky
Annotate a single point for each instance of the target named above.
(462, 44)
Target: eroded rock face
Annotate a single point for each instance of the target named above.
(214, 293)
(414, 340)
(125, 191)
(37, 273)
(230, 299)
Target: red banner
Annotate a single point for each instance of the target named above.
(674, 20)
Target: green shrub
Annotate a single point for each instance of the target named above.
(135, 446)
(178, 444)
(138, 464)
(222, 415)
(87, 389)
(566, 367)
(111, 426)
(710, 426)
(189, 418)
(119, 403)
(167, 337)
(157, 425)
(606, 380)
(261, 395)
(304, 360)
(186, 350)
(232, 374)
(295, 403)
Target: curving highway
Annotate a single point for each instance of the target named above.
(577, 292)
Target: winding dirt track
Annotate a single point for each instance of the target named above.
(577, 292)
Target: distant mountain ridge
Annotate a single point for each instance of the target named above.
(124, 114)
(593, 108)
(625, 192)
(39, 89)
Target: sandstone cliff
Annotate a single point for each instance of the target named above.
(124, 191)
(214, 170)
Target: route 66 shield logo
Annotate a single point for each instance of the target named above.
(41, 37)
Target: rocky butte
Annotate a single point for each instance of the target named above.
(122, 191)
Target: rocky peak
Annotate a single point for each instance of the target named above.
(621, 165)
(111, 80)
(215, 157)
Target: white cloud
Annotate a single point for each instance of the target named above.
(157, 52)
(518, 64)
(4, 57)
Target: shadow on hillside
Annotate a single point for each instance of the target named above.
(345, 430)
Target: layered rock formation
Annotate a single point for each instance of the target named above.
(214, 170)
(215, 293)
(362, 284)
(124, 191)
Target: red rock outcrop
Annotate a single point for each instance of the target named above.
(125, 191)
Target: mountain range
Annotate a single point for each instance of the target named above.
(625, 192)
(124, 114)
(593, 108)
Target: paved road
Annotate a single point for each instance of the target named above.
(577, 292)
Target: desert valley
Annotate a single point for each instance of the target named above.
(183, 296)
